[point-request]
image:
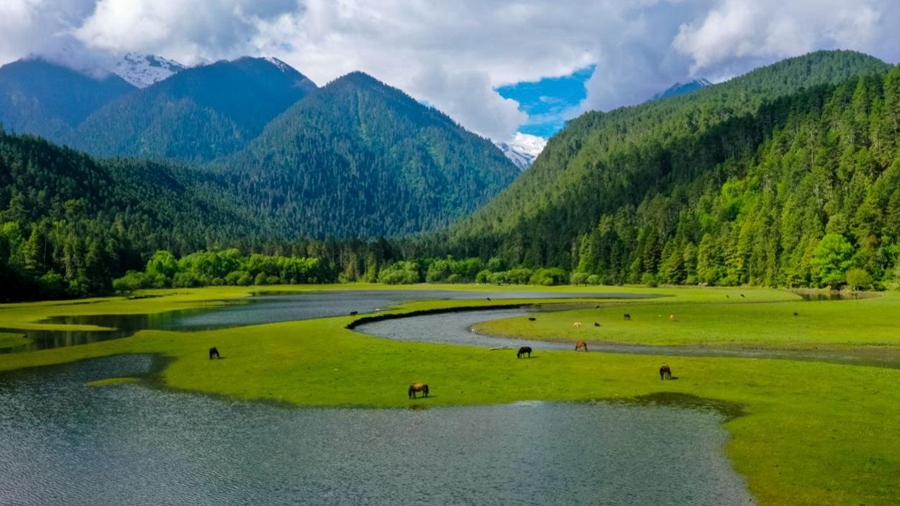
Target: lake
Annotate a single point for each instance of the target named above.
(67, 443)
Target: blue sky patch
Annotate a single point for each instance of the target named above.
(546, 101)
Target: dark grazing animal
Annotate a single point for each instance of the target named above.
(795, 314)
(627, 317)
(665, 372)
(524, 350)
(742, 296)
(581, 345)
(532, 319)
(489, 299)
(354, 313)
(418, 387)
(596, 324)
(213, 352)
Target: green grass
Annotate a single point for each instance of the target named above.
(8, 340)
(813, 433)
(112, 381)
(829, 324)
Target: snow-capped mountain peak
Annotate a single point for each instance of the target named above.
(522, 149)
(142, 70)
(278, 63)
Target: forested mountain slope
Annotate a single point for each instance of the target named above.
(797, 192)
(69, 223)
(196, 115)
(361, 159)
(50, 100)
(604, 163)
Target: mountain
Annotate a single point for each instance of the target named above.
(50, 100)
(604, 170)
(522, 149)
(69, 222)
(143, 70)
(198, 114)
(682, 88)
(358, 158)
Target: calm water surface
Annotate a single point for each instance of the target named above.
(264, 308)
(65, 443)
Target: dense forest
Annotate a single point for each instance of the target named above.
(734, 183)
(70, 223)
(788, 176)
(359, 158)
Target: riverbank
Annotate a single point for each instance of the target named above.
(808, 325)
(813, 433)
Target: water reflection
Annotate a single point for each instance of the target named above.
(67, 443)
(266, 307)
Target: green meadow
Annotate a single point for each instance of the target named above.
(809, 433)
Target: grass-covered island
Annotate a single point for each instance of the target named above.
(805, 432)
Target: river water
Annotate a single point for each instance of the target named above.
(268, 307)
(65, 443)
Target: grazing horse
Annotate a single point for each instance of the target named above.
(576, 324)
(489, 299)
(418, 387)
(795, 314)
(524, 350)
(354, 313)
(671, 317)
(596, 324)
(627, 317)
(742, 296)
(581, 345)
(532, 319)
(665, 371)
(213, 352)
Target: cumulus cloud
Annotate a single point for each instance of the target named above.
(454, 54)
(734, 31)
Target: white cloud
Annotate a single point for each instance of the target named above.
(736, 30)
(453, 53)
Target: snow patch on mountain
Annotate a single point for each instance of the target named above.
(142, 70)
(522, 149)
(278, 63)
(682, 88)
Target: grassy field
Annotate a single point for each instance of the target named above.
(813, 433)
(857, 323)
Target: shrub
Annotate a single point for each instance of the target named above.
(579, 278)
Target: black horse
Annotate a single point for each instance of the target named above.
(627, 317)
(524, 350)
(532, 319)
(665, 372)
(214, 353)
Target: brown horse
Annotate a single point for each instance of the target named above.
(581, 345)
(664, 372)
(418, 387)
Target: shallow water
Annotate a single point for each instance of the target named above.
(260, 309)
(70, 444)
(456, 328)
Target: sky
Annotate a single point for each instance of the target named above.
(495, 67)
